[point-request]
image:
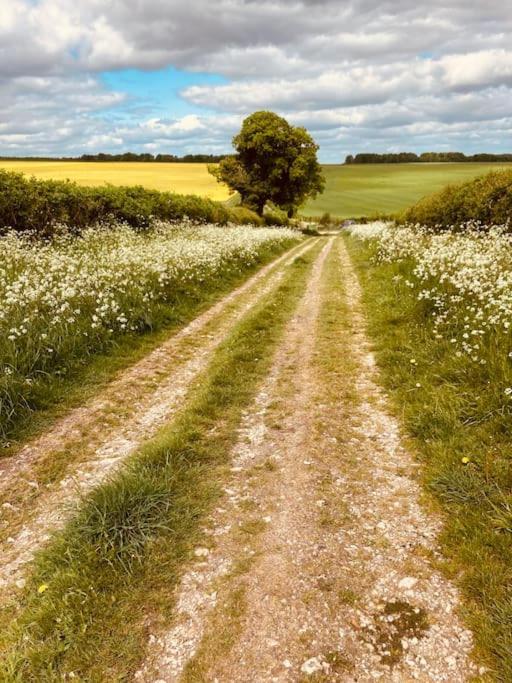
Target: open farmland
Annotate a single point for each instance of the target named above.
(179, 178)
(366, 189)
(353, 190)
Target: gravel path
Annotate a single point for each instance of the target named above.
(320, 561)
(104, 432)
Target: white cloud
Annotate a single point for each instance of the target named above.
(357, 72)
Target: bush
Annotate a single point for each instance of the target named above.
(325, 219)
(31, 205)
(241, 215)
(272, 215)
(487, 200)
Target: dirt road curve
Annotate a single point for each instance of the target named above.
(319, 561)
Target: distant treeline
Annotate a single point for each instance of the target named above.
(411, 157)
(131, 156)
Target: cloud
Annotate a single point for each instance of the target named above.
(357, 84)
(356, 72)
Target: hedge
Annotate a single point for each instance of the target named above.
(486, 200)
(29, 204)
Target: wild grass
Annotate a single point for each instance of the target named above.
(459, 418)
(85, 607)
(64, 301)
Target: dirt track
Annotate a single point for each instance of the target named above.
(320, 560)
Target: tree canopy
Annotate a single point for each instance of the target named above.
(274, 162)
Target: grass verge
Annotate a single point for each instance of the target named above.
(447, 408)
(81, 609)
(61, 393)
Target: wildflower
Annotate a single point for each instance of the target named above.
(42, 588)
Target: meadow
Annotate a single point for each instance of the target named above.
(368, 189)
(62, 301)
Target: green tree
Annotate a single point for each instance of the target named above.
(274, 162)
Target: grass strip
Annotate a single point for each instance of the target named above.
(81, 612)
(61, 393)
(447, 408)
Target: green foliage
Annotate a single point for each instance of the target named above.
(274, 162)
(273, 215)
(241, 215)
(31, 205)
(487, 200)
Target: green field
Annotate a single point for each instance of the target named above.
(365, 189)
(355, 190)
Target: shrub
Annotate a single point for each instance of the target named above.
(241, 215)
(32, 205)
(486, 200)
(272, 215)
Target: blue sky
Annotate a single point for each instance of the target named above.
(157, 93)
(361, 75)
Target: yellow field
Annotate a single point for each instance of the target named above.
(181, 178)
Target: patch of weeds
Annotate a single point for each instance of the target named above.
(338, 662)
(347, 596)
(252, 527)
(398, 621)
(223, 631)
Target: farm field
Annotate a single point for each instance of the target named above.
(366, 189)
(354, 190)
(180, 178)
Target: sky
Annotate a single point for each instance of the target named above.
(177, 76)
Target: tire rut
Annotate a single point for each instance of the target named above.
(169, 653)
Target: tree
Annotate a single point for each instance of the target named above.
(274, 162)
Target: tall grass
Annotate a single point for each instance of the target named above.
(64, 300)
